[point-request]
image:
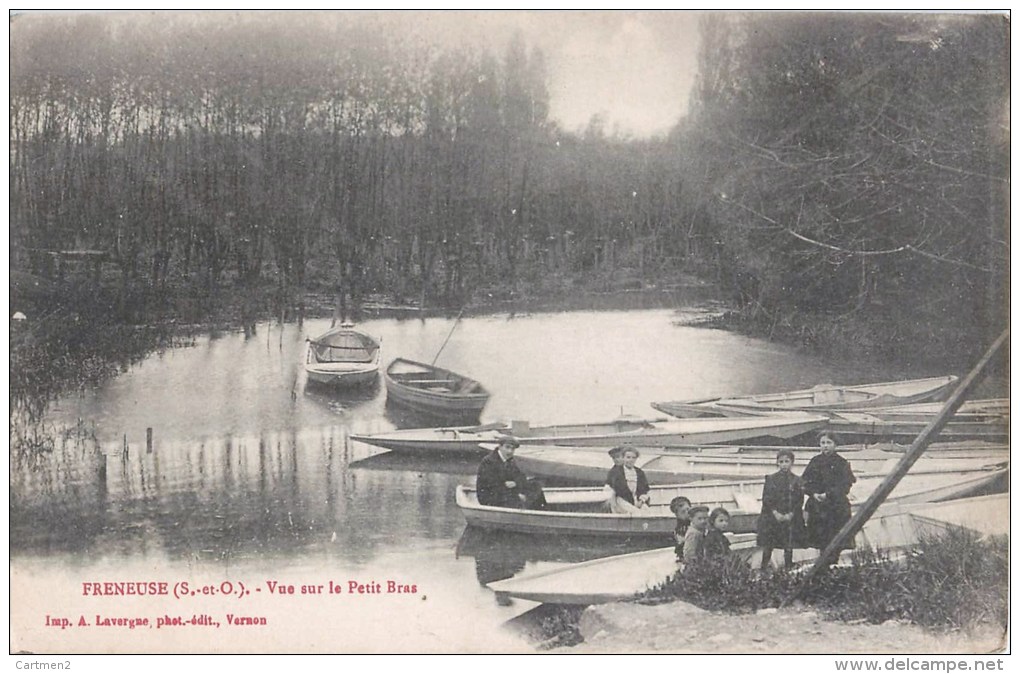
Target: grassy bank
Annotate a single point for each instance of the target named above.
(954, 583)
(955, 580)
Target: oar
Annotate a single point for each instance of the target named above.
(448, 337)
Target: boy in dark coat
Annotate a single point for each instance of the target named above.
(501, 483)
(827, 481)
(781, 522)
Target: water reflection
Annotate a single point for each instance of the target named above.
(402, 416)
(503, 554)
(272, 495)
(451, 464)
(341, 400)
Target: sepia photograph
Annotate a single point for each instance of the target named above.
(510, 332)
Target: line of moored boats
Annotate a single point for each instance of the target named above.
(703, 450)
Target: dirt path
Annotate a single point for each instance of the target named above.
(683, 628)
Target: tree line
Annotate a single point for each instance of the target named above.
(848, 171)
(197, 149)
(854, 170)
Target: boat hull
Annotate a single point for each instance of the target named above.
(584, 465)
(895, 527)
(342, 357)
(862, 426)
(457, 396)
(580, 512)
(342, 378)
(822, 398)
(626, 432)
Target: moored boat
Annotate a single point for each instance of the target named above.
(342, 357)
(623, 431)
(992, 409)
(667, 466)
(580, 511)
(821, 398)
(434, 390)
(866, 426)
(895, 527)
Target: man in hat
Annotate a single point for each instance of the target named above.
(501, 483)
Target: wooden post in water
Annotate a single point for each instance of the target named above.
(915, 451)
(148, 440)
(124, 449)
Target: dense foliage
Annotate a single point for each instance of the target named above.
(854, 171)
(844, 176)
(314, 150)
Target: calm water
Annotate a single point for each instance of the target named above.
(252, 472)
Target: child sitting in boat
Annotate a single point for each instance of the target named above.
(680, 506)
(626, 485)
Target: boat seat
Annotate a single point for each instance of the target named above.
(433, 382)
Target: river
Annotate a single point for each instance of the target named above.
(252, 476)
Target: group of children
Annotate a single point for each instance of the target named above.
(796, 511)
(699, 533)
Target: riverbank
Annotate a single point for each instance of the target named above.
(873, 337)
(680, 627)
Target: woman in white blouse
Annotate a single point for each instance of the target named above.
(626, 484)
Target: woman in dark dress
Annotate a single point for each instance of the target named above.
(827, 481)
(781, 522)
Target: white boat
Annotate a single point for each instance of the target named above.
(989, 409)
(896, 526)
(862, 425)
(667, 466)
(821, 398)
(579, 511)
(623, 431)
(343, 357)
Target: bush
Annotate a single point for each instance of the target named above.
(954, 580)
(726, 584)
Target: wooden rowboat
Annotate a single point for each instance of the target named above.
(821, 398)
(578, 511)
(434, 390)
(896, 526)
(342, 356)
(623, 431)
(667, 466)
(862, 425)
(991, 409)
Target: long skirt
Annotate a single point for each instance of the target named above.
(824, 520)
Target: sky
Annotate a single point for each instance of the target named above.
(636, 68)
